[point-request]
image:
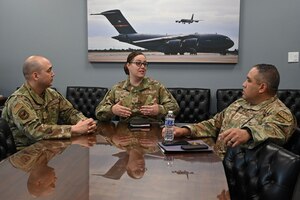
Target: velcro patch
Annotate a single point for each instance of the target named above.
(23, 114)
(285, 115)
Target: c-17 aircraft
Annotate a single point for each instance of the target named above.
(188, 20)
(167, 44)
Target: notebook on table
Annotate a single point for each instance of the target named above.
(182, 147)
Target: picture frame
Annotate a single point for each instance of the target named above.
(191, 31)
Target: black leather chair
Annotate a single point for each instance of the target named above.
(291, 98)
(86, 99)
(7, 143)
(293, 144)
(267, 172)
(194, 104)
(2, 102)
(227, 96)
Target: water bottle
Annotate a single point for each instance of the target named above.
(169, 126)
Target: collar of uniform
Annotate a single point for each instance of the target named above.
(258, 106)
(143, 85)
(34, 95)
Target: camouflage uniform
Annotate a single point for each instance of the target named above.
(270, 119)
(32, 118)
(148, 92)
(38, 154)
(136, 138)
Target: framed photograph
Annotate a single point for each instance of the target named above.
(182, 31)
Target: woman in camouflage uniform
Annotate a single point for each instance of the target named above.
(137, 96)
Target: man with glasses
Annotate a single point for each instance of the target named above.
(137, 96)
(33, 110)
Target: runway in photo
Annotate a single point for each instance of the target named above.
(157, 57)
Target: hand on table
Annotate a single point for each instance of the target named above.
(84, 127)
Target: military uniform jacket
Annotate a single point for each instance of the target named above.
(32, 118)
(38, 154)
(148, 92)
(270, 119)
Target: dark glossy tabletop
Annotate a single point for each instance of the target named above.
(115, 163)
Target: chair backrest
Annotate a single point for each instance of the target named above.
(293, 144)
(86, 99)
(291, 98)
(194, 104)
(7, 143)
(227, 96)
(2, 102)
(266, 172)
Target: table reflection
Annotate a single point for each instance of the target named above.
(136, 143)
(35, 158)
(140, 145)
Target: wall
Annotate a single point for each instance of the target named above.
(57, 29)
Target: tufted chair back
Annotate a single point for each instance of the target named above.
(2, 102)
(291, 98)
(266, 172)
(86, 99)
(7, 143)
(194, 104)
(227, 96)
(293, 144)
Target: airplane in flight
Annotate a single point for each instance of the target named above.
(167, 44)
(188, 20)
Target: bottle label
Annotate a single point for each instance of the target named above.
(169, 122)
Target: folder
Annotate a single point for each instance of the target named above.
(203, 147)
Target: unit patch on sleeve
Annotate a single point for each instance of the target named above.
(23, 114)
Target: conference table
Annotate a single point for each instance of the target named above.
(116, 162)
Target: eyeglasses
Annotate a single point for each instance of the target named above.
(139, 63)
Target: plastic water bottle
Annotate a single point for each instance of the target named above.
(169, 126)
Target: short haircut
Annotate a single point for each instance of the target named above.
(130, 57)
(31, 64)
(268, 74)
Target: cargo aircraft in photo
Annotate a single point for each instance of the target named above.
(167, 44)
(189, 21)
